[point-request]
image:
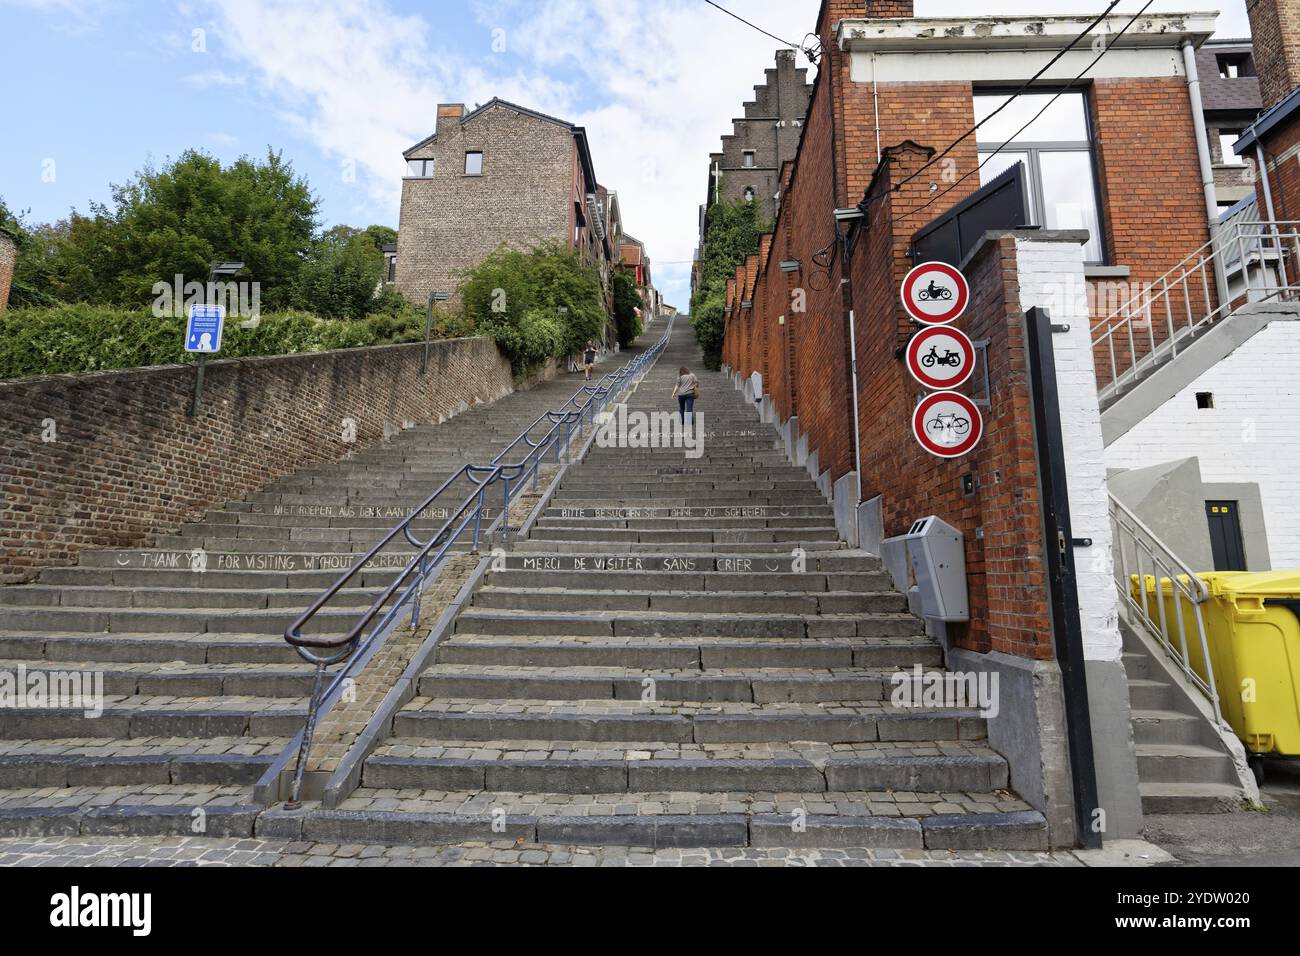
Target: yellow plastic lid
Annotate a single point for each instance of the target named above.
(1270, 584)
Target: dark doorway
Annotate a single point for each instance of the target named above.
(1225, 535)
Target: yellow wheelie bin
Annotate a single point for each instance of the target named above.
(1252, 628)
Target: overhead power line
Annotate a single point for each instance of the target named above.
(752, 26)
(1086, 70)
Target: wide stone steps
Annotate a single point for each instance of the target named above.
(586, 682)
(591, 767)
(680, 722)
(166, 716)
(727, 582)
(135, 809)
(84, 761)
(716, 602)
(684, 653)
(964, 820)
(104, 649)
(211, 598)
(477, 620)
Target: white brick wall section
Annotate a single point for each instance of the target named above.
(1051, 277)
(1251, 435)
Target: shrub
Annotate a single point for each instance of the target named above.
(79, 338)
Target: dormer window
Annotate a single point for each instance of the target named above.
(419, 168)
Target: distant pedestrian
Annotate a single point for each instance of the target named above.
(589, 357)
(686, 391)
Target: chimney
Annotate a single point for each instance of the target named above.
(1275, 26)
(454, 112)
(889, 8)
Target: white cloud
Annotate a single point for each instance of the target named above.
(656, 84)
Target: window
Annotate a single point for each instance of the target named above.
(1056, 150)
(473, 164)
(1227, 139)
(749, 159)
(419, 168)
(1204, 400)
(1235, 66)
(392, 269)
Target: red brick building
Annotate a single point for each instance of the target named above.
(1116, 162)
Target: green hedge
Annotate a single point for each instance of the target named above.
(79, 338)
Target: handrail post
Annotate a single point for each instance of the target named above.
(313, 706)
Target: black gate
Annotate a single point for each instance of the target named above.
(999, 205)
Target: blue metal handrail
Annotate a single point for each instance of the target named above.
(431, 555)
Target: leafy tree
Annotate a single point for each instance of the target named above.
(508, 294)
(731, 233)
(627, 300)
(342, 274)
(178, 220)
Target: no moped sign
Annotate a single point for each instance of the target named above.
(941, 357)
(947, 424)
(934, 293)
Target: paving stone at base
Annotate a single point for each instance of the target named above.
(347, 826)
(1024, 830)
(656, 832)
(809, 830)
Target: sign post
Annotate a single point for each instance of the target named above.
(941, 357)
(203, 336)
(947, 424)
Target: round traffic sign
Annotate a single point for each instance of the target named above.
(935, 293)
(947, 424)
(941, 357)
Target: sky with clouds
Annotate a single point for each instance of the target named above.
(341, 87)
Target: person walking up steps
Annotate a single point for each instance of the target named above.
(589, 357)
(686, 392)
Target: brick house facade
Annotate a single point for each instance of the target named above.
(1113, 173)
(499, 175)
(1273, 141)
(749, 164)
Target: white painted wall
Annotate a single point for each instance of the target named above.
(1051, 277)
(1251, 435)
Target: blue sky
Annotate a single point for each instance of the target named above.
(342, 86)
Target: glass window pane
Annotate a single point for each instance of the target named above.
(1069, 196)
(1064, 121)
(415, 167)
(999, 163)
(473, 164)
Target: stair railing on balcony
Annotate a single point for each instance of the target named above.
(550, 437)
(1163, 596)
(1261, 263)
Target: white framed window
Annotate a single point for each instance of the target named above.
(1057, 153)
(473, 164)
(419, 168)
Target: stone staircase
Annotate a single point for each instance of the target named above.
(683, 653)
(201, 692)
(1183, 766)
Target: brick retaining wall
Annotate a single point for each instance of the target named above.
(107, 459)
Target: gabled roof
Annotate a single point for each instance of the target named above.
(497, 101)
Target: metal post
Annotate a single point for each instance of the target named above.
(198, 385)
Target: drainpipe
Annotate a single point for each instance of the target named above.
(1262, 161)
(1207, 166)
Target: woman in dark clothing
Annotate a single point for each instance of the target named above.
(686, 392)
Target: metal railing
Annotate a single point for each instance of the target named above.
(1258, 261)
(1146, 572)
(551, 435)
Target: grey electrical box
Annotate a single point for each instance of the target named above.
(937, 556)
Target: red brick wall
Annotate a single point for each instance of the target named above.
(1275, 27)
(1152, 200)
(127, 462)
